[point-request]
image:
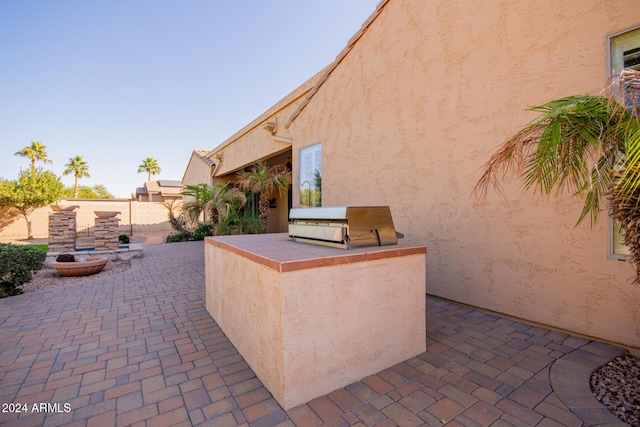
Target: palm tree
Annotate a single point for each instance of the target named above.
(177, 223)
(80, 169)
(217, 201)
(35, 151)
(149, 165)
(587, 144)
(263, 180)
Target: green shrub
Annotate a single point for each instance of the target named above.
(17, 264)
(229, 225)
(251, 224)
(178, 237)
(201, 231)
(246, 223)
(124, 239)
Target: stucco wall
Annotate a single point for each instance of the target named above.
(310, 319)
(252, 142)
(141, 217)
(197, 172)
(245, 299)
(371, 316)
(415, 109)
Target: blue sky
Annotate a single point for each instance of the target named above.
(116, 81)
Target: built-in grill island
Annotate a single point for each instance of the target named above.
(343, 227)
(312, 319)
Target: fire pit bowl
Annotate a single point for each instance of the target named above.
(106, 214)
(84, 266)
(58, 208)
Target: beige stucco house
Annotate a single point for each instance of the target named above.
(162, 190)
(262, 139)
(410, 111)
(200, 169)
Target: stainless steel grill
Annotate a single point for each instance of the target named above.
(343, 226)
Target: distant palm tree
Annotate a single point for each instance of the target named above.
(263, 180)
(79, 168)
(35, 151)
(149, 165)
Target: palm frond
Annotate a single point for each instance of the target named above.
(624, 98)
(587, 144)
(557, 151)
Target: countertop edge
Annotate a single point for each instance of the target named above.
(330, 257)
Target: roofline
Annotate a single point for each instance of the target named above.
(287, 100)
(204, 157)
(329, 69)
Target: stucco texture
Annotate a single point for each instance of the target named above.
(197, 171)
(321, 323)
(418, 105)
(245, 300)
(343, 323)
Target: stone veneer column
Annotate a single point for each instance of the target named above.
(106, 234)
(62, 231)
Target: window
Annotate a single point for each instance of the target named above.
(311, 176)
(618, 250)
(624, 51)
(252, 206)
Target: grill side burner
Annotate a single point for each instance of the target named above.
(343, 226)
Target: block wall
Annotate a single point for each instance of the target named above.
(136, 218)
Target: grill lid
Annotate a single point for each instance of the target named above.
(343, 226)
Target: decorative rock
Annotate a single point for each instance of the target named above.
(129, 255)
(617, 386)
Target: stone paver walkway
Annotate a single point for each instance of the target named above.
(140, 349)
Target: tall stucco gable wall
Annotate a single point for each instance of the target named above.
(197, 172)
(419, 104)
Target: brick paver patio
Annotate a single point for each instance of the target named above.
(139, 349)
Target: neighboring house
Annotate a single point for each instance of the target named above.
(408, 114)
(161, 190)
